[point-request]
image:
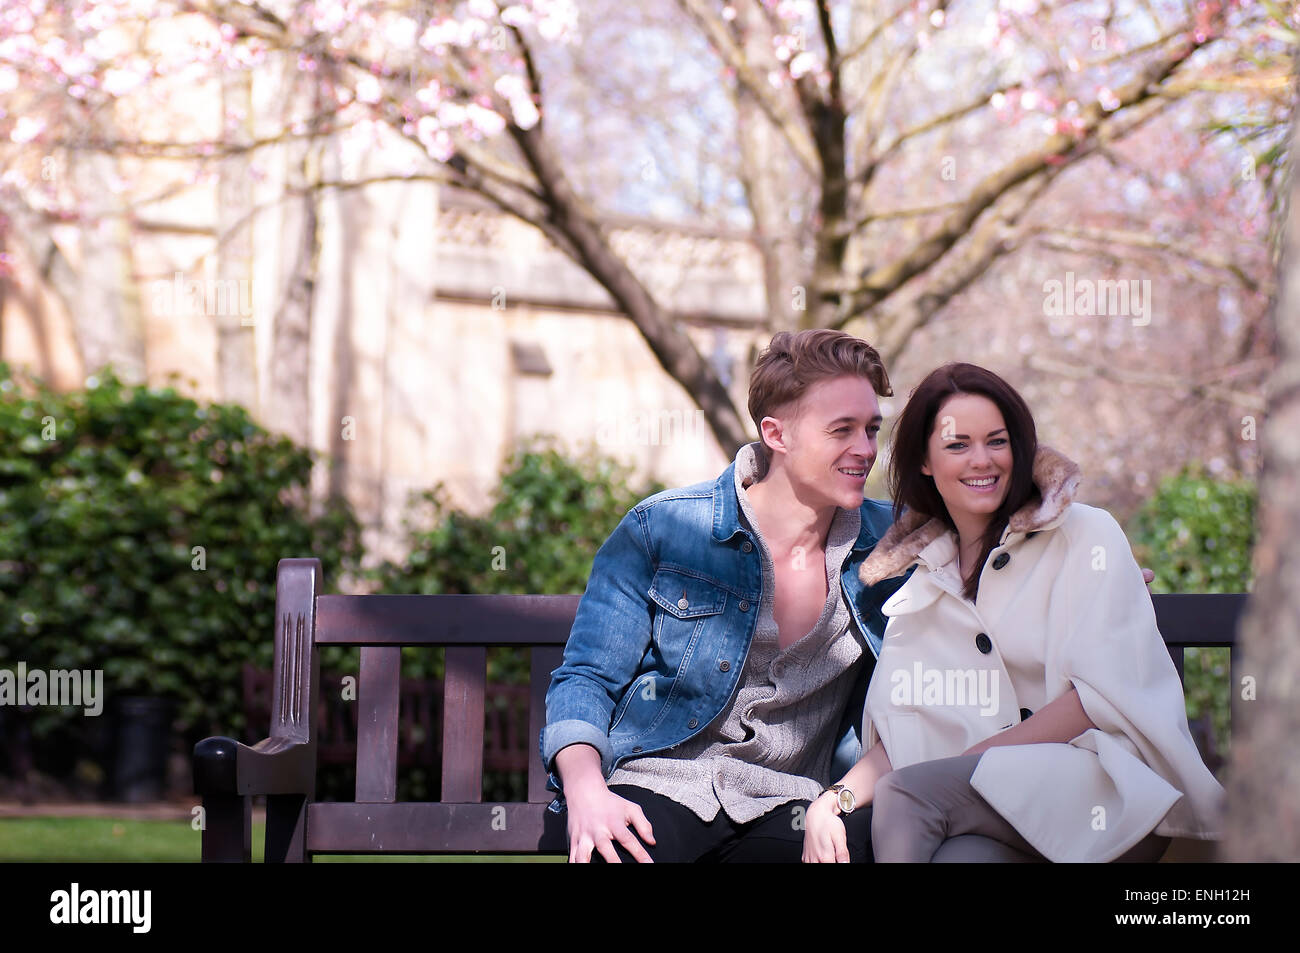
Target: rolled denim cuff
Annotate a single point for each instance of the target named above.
(561, 734)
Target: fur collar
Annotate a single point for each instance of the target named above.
(1057, 479)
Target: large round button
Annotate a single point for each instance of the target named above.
(747, 546)
(1024, 714)
(693, 724)
(724, 666)
(744, 605)
(983, 643)
(1000, 560)
(683, 604)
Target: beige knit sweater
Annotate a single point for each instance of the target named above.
(773, 743)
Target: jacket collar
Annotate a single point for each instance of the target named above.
(726, 507)
(917, 537)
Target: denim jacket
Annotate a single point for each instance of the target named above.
(663, 629)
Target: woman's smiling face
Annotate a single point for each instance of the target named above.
(969, 457)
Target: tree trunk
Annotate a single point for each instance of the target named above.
(236, 349)
(105, 312)
(1263, 810)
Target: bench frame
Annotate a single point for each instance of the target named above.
(227, 773)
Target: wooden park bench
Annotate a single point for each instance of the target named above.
(227, 774)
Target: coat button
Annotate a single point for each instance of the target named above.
(747, 546)
(693, 724)
(1000, 560)
(744, 605)
(1024, 714)
(724, 666)
(983, 643)
(683, 604)
(636, 750)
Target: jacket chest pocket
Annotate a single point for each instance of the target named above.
(686, 597)
(685, 604)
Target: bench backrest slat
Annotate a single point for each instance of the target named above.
(462, 724)
(457, 620)
(377, 698)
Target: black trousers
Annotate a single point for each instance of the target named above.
(776, 837)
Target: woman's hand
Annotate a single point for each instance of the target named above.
(824, 838)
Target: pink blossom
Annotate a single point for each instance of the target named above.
(428, 95)
(400, 31)
(439, 33)
(516, 16)
(557, 20)
(368, 89)
(26, 129)
(484, 121)
(435, 140)
(525, 112)
(119, 82)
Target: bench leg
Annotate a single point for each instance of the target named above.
(227, 829)
(286, 829)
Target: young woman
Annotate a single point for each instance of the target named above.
(1023, 706)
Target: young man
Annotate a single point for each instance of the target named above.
(721, 651)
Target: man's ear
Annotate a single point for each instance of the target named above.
(773, 433)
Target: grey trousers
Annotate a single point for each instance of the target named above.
(929, 813)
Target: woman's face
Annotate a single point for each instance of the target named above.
(969, 456)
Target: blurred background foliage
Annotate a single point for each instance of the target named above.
(139, 533)
(548, 516)
(1196, 534)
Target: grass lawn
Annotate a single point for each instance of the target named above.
(96, 839)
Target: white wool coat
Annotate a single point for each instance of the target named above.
(1063, 604)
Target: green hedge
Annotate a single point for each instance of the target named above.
(139, 534)
(546, 519)
(1196, 534)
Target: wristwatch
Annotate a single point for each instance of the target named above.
(843, 798)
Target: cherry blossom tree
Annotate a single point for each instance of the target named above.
(888, 153)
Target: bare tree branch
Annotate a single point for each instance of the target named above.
(733, 56)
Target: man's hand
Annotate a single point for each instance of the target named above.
(598, 816)
(824, 837)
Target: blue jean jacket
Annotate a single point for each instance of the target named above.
(663, 629)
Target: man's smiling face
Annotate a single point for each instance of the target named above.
(830, 441)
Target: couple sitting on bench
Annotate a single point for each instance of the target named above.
(976, 666)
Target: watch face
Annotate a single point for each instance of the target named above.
(846, 800)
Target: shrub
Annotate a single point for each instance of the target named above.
(1196, 534)
(139, 534)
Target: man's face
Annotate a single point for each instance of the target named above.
(830, 441)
